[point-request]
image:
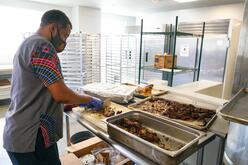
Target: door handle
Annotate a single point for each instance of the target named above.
(147, 56)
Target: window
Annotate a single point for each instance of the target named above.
(15, 22)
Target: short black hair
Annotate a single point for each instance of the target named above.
(55, 16)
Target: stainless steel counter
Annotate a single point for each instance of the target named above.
(219, 128)
(134, 156)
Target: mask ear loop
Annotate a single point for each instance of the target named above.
(51, 33)
(58, 31)
(51, 36)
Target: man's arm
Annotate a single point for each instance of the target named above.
(46, 67)
(61, 93)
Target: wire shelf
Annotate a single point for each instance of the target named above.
(120, 58)
(80, 58)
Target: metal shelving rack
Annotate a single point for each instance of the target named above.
(119, 53)
(80, 61)
(170, 43)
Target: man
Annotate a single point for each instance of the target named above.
(35, 117)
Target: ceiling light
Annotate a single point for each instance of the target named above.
(185, 1)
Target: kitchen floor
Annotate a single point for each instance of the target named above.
(74, 127)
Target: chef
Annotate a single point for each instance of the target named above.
(34, 121)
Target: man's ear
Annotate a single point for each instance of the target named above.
(53, 28)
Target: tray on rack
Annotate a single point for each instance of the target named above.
(187, 111)
(154, 92)
(170, 139)
(236, 110)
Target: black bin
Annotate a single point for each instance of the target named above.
(81, 136)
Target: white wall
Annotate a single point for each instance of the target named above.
(115, 24)
(26, 16)
(18, 18)
(86, 19)
(93, 20)
(37, 6)
(232, 11)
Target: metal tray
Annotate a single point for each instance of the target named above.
(155, 92)
(180, 99)
(164, 128)
(236, 110)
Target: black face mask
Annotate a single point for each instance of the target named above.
(58, 42)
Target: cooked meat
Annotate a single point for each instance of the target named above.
(133, 130)
(135, 127)
(131, 123)
(155, 105)
(108, 111)
(149, 135)
(118, 112)
(161, 145)
(147, 90)
(175, 110)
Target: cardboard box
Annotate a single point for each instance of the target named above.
(70, 159)
(159, 61)
(83, 148)
(164, 61)
(168, 61)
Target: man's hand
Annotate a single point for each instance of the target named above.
(97, 104)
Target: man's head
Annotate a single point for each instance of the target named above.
(58, 27)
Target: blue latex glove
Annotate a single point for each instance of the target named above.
(95, 103)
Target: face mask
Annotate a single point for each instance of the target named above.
(57, 42)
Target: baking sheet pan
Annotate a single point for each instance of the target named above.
(236, 110)
(164, 128)
(183, 100)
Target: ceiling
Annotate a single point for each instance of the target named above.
(137, 6)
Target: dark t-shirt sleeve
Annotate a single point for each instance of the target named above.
(45, 64)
